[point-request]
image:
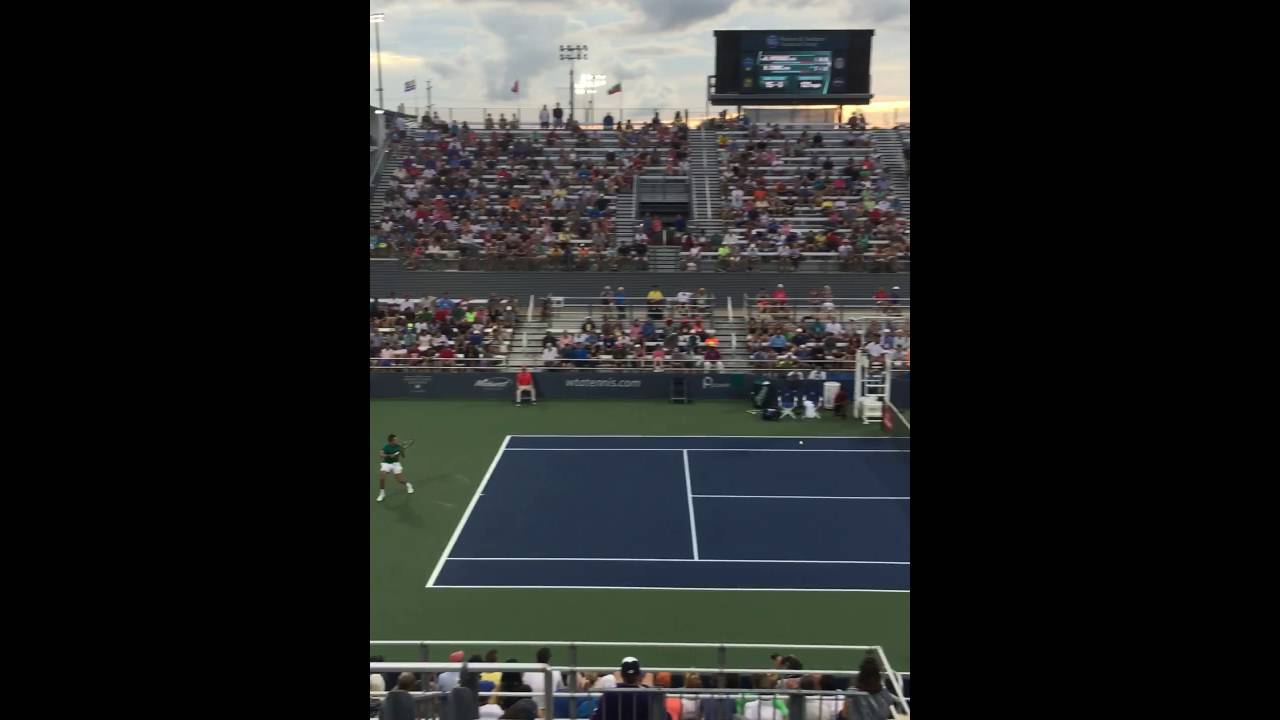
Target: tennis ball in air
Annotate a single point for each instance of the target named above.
(801, 442)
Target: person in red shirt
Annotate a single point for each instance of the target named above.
(447, 356)
(524, 383)
(779, 297)
(881, 298)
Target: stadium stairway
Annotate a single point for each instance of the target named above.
(624, 216)
(704, 179)
(379, 195)
(889, 145)
(664, 259)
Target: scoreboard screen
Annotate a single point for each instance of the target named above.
(764, 67)
(805, 72)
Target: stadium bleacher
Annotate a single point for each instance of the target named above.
(810, 334)
(453, 197)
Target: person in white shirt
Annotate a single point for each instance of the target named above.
(607, 681)
(449, 680)
(821, 707)
(490, 712)
(875, 349)
(535, 680)
(763, 708)
(817, 374)
(735, 198)
(550, 356)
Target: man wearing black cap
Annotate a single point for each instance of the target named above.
(628, 704)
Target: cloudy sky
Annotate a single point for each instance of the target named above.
(661, 50)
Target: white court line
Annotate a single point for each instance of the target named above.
(684, 560)
(676, 449)
(630, 587)
(444, 556)
(688, 486)
(783, 437)
(806, 497)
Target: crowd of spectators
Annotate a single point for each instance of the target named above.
(818, 342)
(441, 332)
(804, 337)
(865, 696)
(669, 333)
(860, 216)
(494, 199)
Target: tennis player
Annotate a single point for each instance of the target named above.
(392, 453)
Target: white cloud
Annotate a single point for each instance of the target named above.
(662, 50)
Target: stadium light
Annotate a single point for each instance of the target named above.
(572, 53)
(377, 19)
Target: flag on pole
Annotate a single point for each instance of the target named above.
(410, 85)
(615, 89)
(516, 88)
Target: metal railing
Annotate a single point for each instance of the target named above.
(721, 669)
(768, 308)
(376, 166)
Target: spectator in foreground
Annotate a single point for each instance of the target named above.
(762, 707)
(398, 704)
(536, 680)
(449, 680)
(689, 704)
(489, 710)
(624, 705)
(460, 703)
(494, 677)
(521, 708)
(872, 701)
(376, 685)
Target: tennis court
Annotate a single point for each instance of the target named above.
(461, 445)
(687, 513)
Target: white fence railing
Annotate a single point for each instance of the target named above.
(721, 669)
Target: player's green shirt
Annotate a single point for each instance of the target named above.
(390, 452)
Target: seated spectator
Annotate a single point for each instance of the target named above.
(762, 707)
(521, 708)
(659, 355)
(489, 708)
(398, 704)
(821, 707)
(376, 685)
(871, 699)
(711, 360)
(535, 679)
(624, 706)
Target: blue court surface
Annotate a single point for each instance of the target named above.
(683, 512)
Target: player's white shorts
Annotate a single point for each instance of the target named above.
(392, 468)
